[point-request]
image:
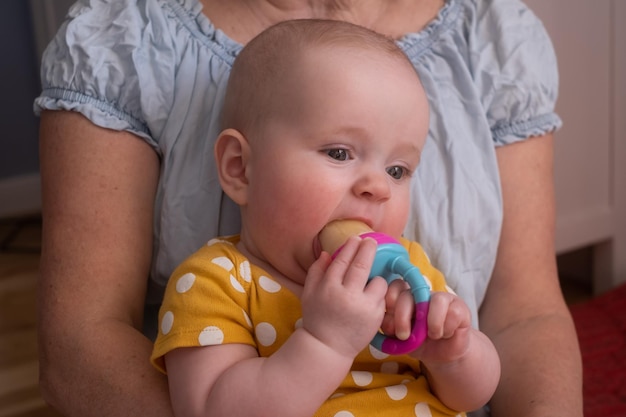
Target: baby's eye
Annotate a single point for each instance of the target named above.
(338, 154)
(397, 172)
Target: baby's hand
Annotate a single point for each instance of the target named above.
(449, 321)
(339, 307)
(400, 310)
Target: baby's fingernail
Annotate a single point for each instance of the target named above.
(403, 335)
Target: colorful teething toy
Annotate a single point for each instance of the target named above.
(391, 262)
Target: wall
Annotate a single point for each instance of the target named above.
(590, 149)
(19, 83)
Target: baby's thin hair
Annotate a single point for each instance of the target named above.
(268, 58)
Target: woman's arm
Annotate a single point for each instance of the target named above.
(98, 189)
(524, 312)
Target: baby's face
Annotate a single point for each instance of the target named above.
(343, 140)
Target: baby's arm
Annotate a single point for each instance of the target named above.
(231, 380)
(461, 363)
(341, 313)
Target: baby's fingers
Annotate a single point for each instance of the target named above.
(446, 314)
(317, 271)
(400, 309)
(354, 262)
(403, 315)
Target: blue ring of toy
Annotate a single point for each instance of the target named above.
(392, 262)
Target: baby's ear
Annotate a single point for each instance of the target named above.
(232, 153)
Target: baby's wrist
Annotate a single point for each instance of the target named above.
(333, 350)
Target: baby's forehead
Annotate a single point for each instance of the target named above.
(279, 63)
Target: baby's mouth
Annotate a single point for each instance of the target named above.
(317, 247)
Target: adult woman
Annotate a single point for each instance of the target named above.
(125, 176)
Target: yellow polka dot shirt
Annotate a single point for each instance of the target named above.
(217, 296)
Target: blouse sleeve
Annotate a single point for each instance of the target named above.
(516, 69)
(108, 61)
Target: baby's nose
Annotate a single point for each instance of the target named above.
(373, 186)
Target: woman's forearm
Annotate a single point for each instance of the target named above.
(541, 369)
(103, 369)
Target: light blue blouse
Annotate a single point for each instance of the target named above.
(158, 68)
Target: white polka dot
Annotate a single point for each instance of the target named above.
(244, 271)
(396, 392)
(337, 395)
(247, 318)
(211, 335)
(422, 410)
(266, 334)
(389, 368)
(224, 262)
(377, 354)
(185, 283)
(298, 324)
(268, 284)
(362, 378)
(218, 240)
(344, 414)
(236, 284)
(166, 322)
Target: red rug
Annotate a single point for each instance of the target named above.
(601, 326)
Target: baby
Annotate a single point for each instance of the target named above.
(323, 120)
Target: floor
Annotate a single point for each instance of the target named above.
(19, 264)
